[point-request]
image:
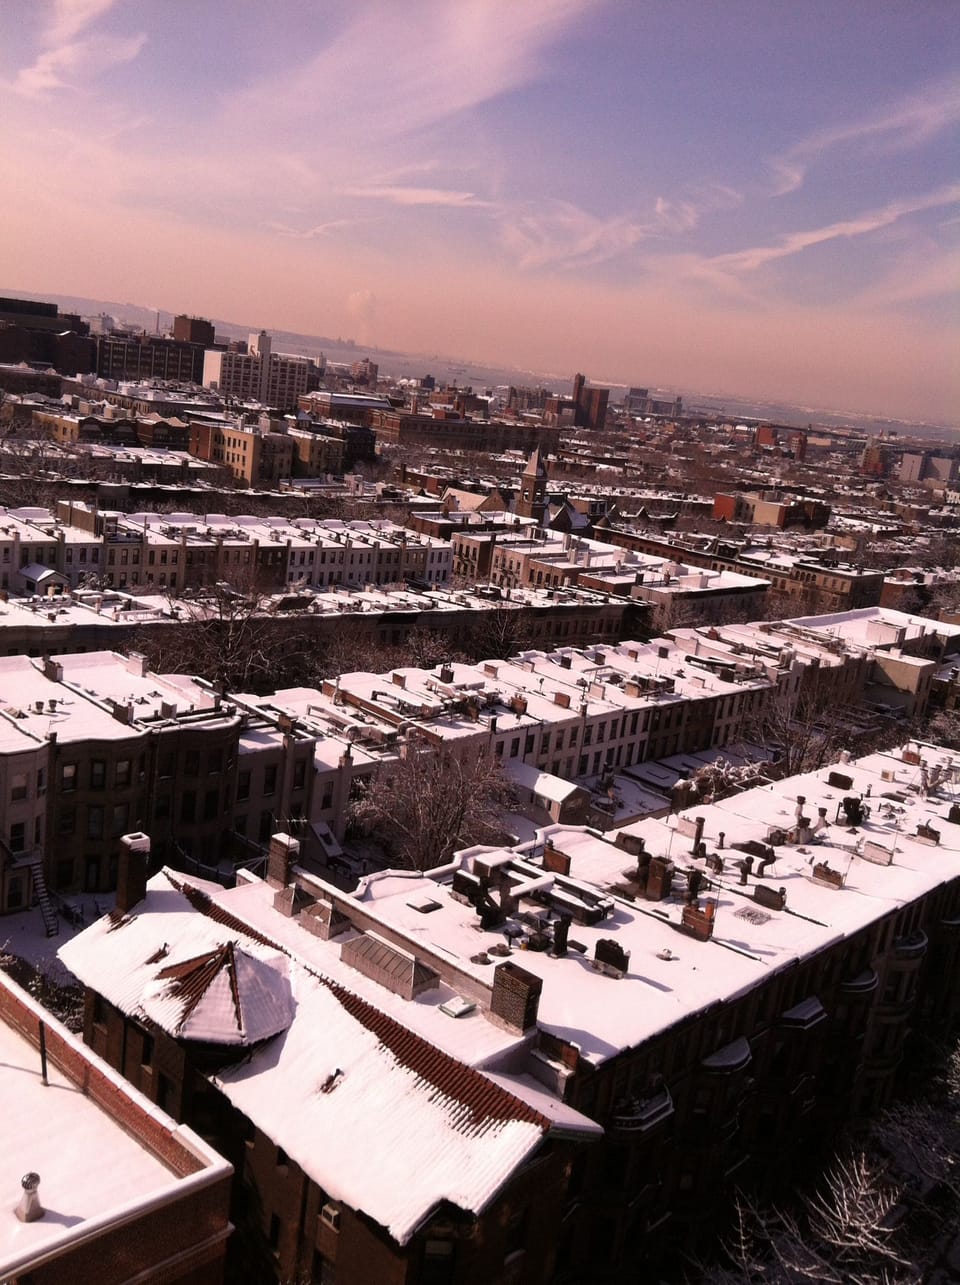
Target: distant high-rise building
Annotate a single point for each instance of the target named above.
(194, 330)
(39, 334)
(259, 374)
(590, 404)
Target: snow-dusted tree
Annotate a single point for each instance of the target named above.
(884, 1213)
(427, 804)
(720, 779)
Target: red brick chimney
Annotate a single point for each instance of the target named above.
(132, 871)
(282, 857)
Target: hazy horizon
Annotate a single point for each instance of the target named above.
(667, 194)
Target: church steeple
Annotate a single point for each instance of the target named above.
(533, 489)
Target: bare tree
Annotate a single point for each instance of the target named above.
(805, 730)
(222, 634)
(28, 455)
(941, 728)
(428, 804)
(497, 634)
(353, 647)
(884, 1213)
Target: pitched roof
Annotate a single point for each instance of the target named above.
(535, 465)
(374, 1113)
(224, 996)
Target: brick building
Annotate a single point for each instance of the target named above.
(374, 1154)
(717, 991)
(153, 1206)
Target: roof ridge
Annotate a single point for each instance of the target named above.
(192, 978)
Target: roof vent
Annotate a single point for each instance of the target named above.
(30, 1208)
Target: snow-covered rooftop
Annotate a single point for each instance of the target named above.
(93, 1171)
(379, 1117)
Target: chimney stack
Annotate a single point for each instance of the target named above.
(515, 997)
(561, 931)
(699, 822)
(282, 856)
(132, 870)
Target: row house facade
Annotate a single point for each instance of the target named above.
(172, 552)
(95, 745)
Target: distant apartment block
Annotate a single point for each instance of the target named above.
(770, 508)
(136, 357)
(638, 401)
(38, 333)
(194, 330)
(276, 380)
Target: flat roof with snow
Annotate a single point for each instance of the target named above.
(93, 1172)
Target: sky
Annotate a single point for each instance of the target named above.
(747, 197)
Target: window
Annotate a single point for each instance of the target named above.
(98, 774)
(188, 805)
(122, 773)
(191, 763)
(270, 779)
(211, 805)
(438, 1258)
(121, 817)
(18, 836)
(165, 765)
(68, 777)
(299, 774)
(18, 786)
(516, 1237)
(243, 785)
(95, 821)
(165, 1093)
(146, 1050)
(66, 821)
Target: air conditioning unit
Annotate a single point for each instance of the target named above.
(330, 1215)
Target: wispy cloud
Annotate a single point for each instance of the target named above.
(396, 195)
(562, 235)
(70, 17)
(396, 69)
(308, 234)
(908, 123)
(559, 234)
(67, 65)
(67, 55)
(755, 257)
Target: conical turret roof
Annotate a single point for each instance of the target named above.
(225, 996)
